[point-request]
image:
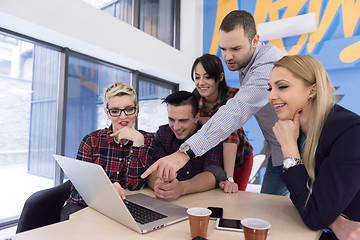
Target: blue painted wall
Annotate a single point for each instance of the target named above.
(336, 42)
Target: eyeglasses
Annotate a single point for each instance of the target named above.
(116, 112)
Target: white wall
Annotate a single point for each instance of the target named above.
(85, 29)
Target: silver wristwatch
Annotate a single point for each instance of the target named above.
(230, 179)
(185, 148)
(290, 162)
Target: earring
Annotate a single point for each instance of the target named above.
(311, 98)
(107, 122)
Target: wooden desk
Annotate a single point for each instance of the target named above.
(278, 210)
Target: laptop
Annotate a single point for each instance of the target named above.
(91, 181)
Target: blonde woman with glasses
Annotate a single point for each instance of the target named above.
(320, 143)
(124, 152)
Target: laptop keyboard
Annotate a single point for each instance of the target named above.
(141, 214)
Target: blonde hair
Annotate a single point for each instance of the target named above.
(312, 72)
(119, 89)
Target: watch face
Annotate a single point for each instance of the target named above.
(184, 148)
(230, 179)
(289, 162)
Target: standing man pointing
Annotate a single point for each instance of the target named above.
(242, 51)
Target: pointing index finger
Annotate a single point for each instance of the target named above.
(150, 170)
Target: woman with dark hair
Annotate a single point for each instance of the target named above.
(212, 92)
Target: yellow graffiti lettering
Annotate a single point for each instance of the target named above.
(315, 6)
(265, 7)
(295, 48)
(350, 53)
(224, 7)
(350, 13)
(328, 16)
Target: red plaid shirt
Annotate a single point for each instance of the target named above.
(123, 163)
(239, 137)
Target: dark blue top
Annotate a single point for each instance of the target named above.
(336, 189)
(166, 143)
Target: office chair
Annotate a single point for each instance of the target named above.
(43, 207)
(258, 162)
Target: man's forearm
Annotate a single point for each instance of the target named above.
(201, 182)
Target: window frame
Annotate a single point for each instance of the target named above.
(136, 9)
(13, 220)
(62, 97)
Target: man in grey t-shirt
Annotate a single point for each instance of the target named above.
(242, 51)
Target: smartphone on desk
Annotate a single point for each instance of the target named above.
(216, 212)
(229, 224)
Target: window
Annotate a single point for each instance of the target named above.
(32, 107)
(152, 113)
(29, 74)
(159, 18)
(85, 110)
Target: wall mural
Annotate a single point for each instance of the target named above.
(336, 42)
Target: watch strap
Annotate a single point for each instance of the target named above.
(190, 153)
